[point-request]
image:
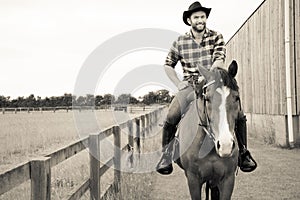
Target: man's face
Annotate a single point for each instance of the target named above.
(198, 21)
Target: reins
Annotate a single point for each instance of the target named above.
(206, 127)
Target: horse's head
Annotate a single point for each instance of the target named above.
(221, 98)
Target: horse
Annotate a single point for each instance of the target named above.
(207, 144)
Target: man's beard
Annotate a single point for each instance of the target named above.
(199, 30)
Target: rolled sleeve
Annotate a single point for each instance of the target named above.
(219, 48)
(173, 55)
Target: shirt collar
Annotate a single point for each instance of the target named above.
(205, 35)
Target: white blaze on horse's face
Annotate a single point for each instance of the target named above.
(225, 140)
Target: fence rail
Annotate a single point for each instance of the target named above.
(130, 108)
(38, 170)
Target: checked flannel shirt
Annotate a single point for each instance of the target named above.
(186, 50)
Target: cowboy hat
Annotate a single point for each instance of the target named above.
(194, 7)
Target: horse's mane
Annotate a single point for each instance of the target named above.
(228, 80)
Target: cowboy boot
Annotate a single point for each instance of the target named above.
(164, 166)
(246, 161)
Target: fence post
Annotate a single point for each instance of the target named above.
(148, 124)
(150, 121)
(156, 117)
(117, 158)
(137, 135)
(40, 178)
(143, 131)
(130, 134)
(94, 149)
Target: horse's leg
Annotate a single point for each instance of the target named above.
(226, 187)
(215, 194)
(194, 186)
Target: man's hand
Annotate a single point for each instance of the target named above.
(217, 63)
(182, 85)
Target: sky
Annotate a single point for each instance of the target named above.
(44, 44)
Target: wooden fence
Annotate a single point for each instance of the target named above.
(38, 170)
(126, 108)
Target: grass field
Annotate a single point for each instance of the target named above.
(24, 136)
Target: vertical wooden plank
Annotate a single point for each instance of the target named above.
(247, 104)
(248, 72)
(297, 50)
(292, 56)
(253, 64)
(94, 150)
(117, 158)
(268, 85)
(273, 56)
(278, 63)
(40, 178)
(138, 135)
(260, 74)
(130, 133)
(282, 60)
(143, 130)
(148, 123)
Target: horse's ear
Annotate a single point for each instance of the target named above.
(233, 68)
(204, 72)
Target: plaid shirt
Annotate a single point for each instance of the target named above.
(186, 50)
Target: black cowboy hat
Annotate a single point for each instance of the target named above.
(194, 7)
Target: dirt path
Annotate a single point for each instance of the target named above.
(277, 177)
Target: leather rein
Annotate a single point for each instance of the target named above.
(206, 126)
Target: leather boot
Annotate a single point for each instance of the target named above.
(164, 166)
(246, 161)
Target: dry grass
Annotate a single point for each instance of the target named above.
(24, 136)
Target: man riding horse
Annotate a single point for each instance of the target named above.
(204, 47)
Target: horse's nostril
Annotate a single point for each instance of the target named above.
(218, 145)
(233, 144)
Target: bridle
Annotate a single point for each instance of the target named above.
(205, 124)
(206, 127)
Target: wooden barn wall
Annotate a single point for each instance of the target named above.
(297, 51)
(259, 49)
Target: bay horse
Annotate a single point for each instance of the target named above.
(207, 144)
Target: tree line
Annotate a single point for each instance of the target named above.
(160, 96)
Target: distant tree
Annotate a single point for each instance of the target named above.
(81, 101)
(123, 99)
(108, 99)
(4, 101)
(98, 100)
(30, 101)
(133, 100)
(163, 96)
(149, 98)
(67, 100)
(90, 100)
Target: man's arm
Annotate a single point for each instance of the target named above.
(171, 73)
(219, 52)
(171, 61)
